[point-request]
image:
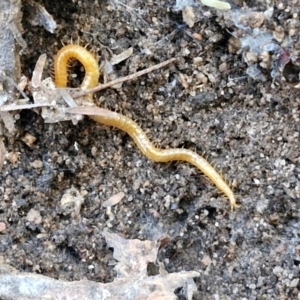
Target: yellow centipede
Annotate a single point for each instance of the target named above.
(110, 118)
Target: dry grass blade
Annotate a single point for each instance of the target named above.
(91, 111)
(123, 79)
(38, 71)
(113, 200)
(2, 152)
(217, 4)
(11, 107)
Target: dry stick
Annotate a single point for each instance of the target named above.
(11, 107)
(123, 79)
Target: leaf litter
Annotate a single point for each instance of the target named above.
(132, 281)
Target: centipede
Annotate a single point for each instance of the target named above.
(109, 118)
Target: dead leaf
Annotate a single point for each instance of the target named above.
(8, 121)
(40, 16)
(28, 139)
(133, 284)
(116, 59)
(13, 156)
(113, 200)
(2, 227)
(188, 16)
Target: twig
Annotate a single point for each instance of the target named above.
(123, 79)
(22, 106)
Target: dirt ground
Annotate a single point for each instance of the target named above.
(209, 101)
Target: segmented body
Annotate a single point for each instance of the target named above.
(88, 60)
(122, 122)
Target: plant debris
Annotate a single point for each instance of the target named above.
(132, 282)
